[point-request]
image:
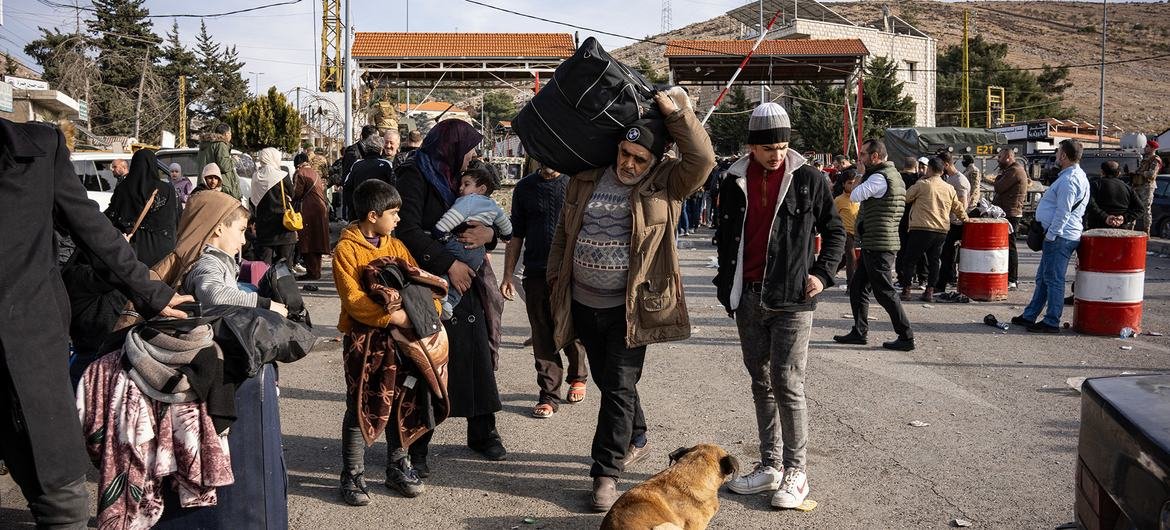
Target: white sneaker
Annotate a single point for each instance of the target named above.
(793, 490)
(298, 269)
(762, 478)
(1012, 286)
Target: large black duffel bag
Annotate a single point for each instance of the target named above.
(576, 121)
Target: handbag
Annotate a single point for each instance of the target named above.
(1036, 231)
(292, 219)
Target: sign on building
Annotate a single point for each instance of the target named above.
(82, 111)
(26, 84)
(6, 98)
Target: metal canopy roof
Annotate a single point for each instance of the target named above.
(776, 62)
(458, 60)
(749, 14)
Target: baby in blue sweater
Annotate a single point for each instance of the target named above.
(474, 204)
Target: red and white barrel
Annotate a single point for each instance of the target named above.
(1110, 281)
(983, 259)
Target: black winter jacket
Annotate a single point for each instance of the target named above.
(806, 208)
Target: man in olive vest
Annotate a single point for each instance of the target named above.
(883, 199)
(1145, 182)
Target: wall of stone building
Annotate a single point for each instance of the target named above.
(905, 50)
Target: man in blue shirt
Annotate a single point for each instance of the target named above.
(1059, 212)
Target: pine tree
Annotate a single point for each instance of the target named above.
(729, 123)
(816, 126)
(206, 86)
(233, 86)
(126, 50)
(177, 61)
(884, 104)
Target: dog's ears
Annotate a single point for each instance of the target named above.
(729, 466)
(678, 454)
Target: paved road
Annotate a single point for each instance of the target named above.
(999, 450)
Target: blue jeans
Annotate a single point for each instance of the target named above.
(1054, 259)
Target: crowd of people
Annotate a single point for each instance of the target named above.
(421, 306)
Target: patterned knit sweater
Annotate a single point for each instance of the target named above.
(601, 259)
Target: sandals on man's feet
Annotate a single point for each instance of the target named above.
(543, 410)
(576, 392)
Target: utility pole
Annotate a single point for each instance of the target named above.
(1101, 122)
(666, 16)
(763, 34)
(966, 74)
(141, 88)
(182, 111)
(256, 78)
(347, 79)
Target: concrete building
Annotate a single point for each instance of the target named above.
(913, 51)
(23, 100)
(431, 110)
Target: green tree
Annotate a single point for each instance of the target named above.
(265, 121)
(1029, 95)
(884, 104)
(816, 117)
(64, 59)
(126, 47)
(10, 65)
(729, 123)
(652, 74)
(497, 106)
(177, 61)
(219, 84)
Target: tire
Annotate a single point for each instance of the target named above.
(1164, 228)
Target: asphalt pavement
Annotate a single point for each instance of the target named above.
(998, 451)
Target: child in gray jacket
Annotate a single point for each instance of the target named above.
(212, 280)
(474, 204)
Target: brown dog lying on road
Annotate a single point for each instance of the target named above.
(684, 495)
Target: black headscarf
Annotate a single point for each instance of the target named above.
(130, 196)
(445, 146)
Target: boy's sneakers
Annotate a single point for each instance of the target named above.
(762, 478)
(402, 477)
(793, 490)
(353, 489)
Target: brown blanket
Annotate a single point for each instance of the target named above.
(374, 380)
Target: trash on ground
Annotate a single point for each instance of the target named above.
(1075, 383)
(990, 320)
(1127, 348)
(712, 262)
(807, 506)
(960, 523)
(928, 306)
(695, 329)
(1153, 333)
(1127, 332)
(529, 520)
(918, 423)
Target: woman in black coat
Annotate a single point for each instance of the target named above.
(155, 237)
(427, 183)
(40, 435)
(272, 190)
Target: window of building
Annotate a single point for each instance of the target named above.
(911, 71)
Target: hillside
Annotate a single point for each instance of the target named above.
(1038, 33)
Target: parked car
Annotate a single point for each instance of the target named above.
(1160, 209)
(93, 168)
(185, 157)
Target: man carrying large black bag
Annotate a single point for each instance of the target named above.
(614, 275)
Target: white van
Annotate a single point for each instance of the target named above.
(185, 157)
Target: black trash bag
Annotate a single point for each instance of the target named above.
(251, 337)
(576, 121)
(280, 285)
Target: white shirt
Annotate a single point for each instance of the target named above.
(873, 187)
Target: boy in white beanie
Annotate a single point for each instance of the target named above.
(772, 200)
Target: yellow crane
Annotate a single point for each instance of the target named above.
(331, 46)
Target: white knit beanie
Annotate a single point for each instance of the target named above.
(768, 125)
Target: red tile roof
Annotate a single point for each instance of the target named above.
(459, 45)
(789, 47)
